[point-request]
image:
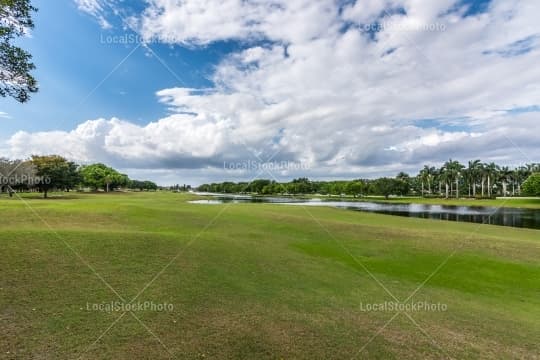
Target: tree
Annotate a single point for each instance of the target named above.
(355, 188)
(531, 186)
(506, 177)
(55, 172)
(137, 184)
(472, 172)
(15, 63)
(522, 175)
(446, 177)
(301, 186)
(403, 183)
(256, 186)
(491, 171)
(425, 176)
(403, 176)
(452, 172)
(149, 185)
(386, 186)
(16, 175)
(100, 176)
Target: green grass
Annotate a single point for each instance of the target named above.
(258, 281)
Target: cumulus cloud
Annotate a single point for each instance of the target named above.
(176, 141)
(352, 89)
(200, 22)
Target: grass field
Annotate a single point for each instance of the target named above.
(258, 281)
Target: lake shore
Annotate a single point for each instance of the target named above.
(506, 202)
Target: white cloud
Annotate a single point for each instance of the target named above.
(96, 8)
(204, 21)
(323, 92)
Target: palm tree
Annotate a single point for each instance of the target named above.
(482, 170)
(457, 169)
(453, 171)
(425, 176)
(422, 176)
(431, 174)
(491, 170)
(473, 170)
(506, 177)
(515, 179)
(438, 178)
(446, 178)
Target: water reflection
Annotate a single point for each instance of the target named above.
(514, 217)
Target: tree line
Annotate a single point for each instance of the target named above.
(53, 172)
(452, 179)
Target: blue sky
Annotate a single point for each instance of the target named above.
(338, 89)
(73, 55)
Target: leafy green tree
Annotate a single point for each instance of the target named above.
(15, 63)
(137, 184)
(149, 185)
(531, 186)
(100, 176)
(55, 172)
(403, 176)
(354, 188)
(385, 186)
(403, 183)
(301, 186)
(256, 186)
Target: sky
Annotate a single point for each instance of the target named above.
(193, 91)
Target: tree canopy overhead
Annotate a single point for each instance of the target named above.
(15, 63)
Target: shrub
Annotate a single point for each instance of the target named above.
(531, 186)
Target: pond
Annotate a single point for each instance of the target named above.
(514, 217)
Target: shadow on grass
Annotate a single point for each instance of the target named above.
(57, 196)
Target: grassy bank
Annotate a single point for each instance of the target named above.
(258, 281)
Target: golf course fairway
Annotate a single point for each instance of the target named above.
(151, 276)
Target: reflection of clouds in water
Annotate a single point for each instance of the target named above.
(527, 218)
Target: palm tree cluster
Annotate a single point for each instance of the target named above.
(480, 179)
